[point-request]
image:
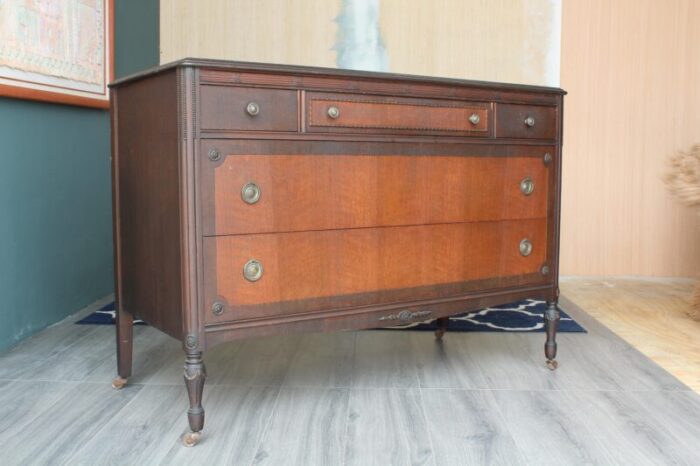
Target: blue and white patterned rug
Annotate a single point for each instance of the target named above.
(521, 316)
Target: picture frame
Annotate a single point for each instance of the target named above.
(59, 51)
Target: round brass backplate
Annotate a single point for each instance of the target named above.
(250, 193)
(253, 270)
(527, 186)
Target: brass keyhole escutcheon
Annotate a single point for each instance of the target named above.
(250, 193)
(253, 270)
(527, 186)
(525, 247)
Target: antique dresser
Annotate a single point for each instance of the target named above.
(253, 200)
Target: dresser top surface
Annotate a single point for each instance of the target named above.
(237, 66)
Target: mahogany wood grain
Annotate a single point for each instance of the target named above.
(224, 107)
(363, 82)
(356, 227)
(510, 121)
(370, 316)
(147, 227)
(350, 191)
(362, 112)
(306, 265)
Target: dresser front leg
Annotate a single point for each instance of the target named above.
(195, 374)
(551, 321)
(442, 324)
(125, 346)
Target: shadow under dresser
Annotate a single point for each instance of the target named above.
(253, 200)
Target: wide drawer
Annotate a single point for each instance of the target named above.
(226, 108)
(327, 112)
(280, 193)
(254, 276)
(526, 121)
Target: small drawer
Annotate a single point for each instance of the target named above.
(226, 108)
(358, 113)
(526, 121)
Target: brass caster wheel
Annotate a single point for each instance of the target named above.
(118, 383)
(191, 439)
(439, 333)
(552, 364)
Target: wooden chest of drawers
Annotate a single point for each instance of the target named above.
(254, 200)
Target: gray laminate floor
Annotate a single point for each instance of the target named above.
(359, 398)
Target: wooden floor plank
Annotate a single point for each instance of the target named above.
(626, 428)
(58, 432)
(236, 420)
(323, 360)
(259, 361)
(466, 428)
(21, 402)
(387, 426)
(445, 364)
(384, 359)
(217, 360)
(151, 349)
(676, 412)
(549, 431)
(356, 397)
(308, 427)
(142, 434)
(649, 313)
(626, 365)
(34, 352)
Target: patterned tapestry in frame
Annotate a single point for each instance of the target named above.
(57, 50)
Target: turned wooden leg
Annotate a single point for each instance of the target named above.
(442, 324)
(125, 346)
(195, 374)
(551, 321)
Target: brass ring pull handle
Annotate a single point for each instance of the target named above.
(525, 247)
(527, 186)
(252, 108)
(333, 112)
(250, 193)
(253, 270)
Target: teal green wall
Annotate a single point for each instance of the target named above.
(137, 35)
(55, 194)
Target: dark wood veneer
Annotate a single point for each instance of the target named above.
(400, 208)
(380, 114)
(224, 108)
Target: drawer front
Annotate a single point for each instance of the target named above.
(325, 270)
(320, 192)
(338, 112)
(226, 108)
(526, 121)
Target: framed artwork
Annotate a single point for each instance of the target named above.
(57, 50)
